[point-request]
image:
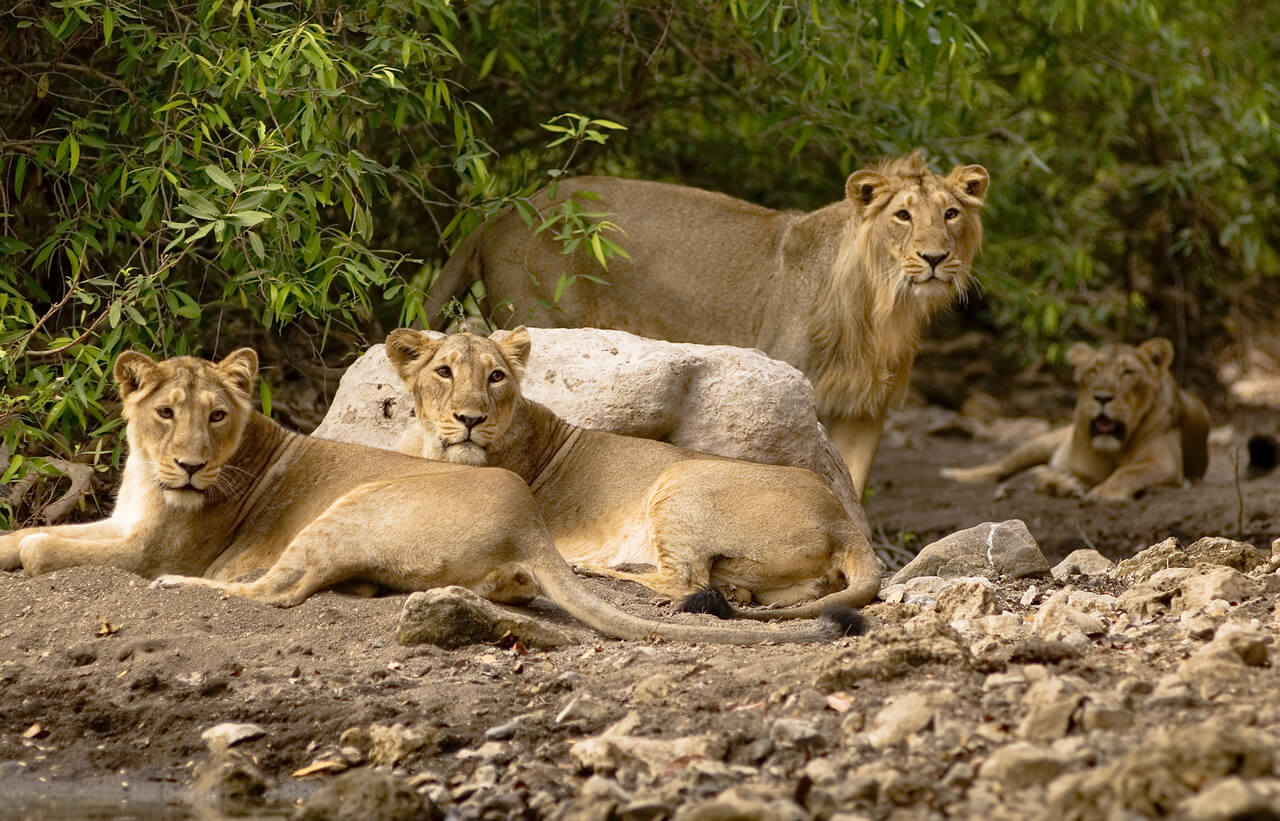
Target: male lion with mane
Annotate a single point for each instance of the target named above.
(215, 490)
(1134, 428)
(770, 534)
(842, 293)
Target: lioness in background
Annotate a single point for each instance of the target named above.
(842, 293)
(214, 489)
(764, 533)
(1134, 428)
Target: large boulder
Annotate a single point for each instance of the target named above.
(711, 398)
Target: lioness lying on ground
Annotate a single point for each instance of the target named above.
(764, 533)
(212, 488)
(1133, 429)
(842, 293)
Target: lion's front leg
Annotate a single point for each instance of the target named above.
(1159, 462)
(40, 550)
(1054, 482)
(857, 438)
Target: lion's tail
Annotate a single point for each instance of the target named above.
(559, 583)
(861, 571)
(1195, 436)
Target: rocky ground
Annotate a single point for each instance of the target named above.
(1144, 689)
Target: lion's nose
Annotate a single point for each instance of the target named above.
(469, 421)
(1102, 398)
(934, 259)
(190, 468)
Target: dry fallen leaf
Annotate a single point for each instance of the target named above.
(840, 702)
(324, 765)
(106, 628)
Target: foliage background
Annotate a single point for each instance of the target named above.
(194, 175)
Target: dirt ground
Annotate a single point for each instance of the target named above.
(106, 686)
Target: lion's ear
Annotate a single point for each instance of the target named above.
(1079, 354)
(971, 181)
(133, 371)
(515, 345)
(405, 346)
(864, 186)
(240, 368)
(1159, 350)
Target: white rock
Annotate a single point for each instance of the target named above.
(1021, 765)
(1057, 619)
(1083, 562)
(991, 549)
(228, 734)
(903, 716)
(717, 399)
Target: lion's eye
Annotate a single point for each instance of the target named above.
(217, 416)
(904, 215)
(444, 372)
(951, 213)
(497, 376)
(164, 413)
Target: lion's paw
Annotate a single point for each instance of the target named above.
(170, 582)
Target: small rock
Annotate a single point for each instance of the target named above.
(742, 803)
(1146, 563)
(1020, 765)
(1198, 626)
(1057, 619)
(1171, 691)
(391, 744)
(991, 549)
(655, 689)
(615, 748)
(1083, 562)
(582, 707)
(1224, 583)
(791, 732)
(502, 732)
(967, 600)
(231, 782)
(453, 617)
(1240, 556)
(1105, 711)
(1053, 702)
(903, 716)
(228, 734)
(1233, 798)
(363, 794)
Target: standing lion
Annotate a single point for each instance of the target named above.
(842, 293)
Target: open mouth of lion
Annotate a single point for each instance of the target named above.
(1103, 425)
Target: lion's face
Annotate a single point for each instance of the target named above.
(185, 418)
(1118, 385)
(465, 387)
(920, 230)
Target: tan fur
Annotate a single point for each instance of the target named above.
(214, 491)
(841, 293)
(1133, 429)
(763, 533)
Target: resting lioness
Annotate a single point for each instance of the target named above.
(212, 488)
(842, 293)
(1134, 428)
(764, 533)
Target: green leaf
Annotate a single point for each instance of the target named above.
(219, 177)
(247, 219)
